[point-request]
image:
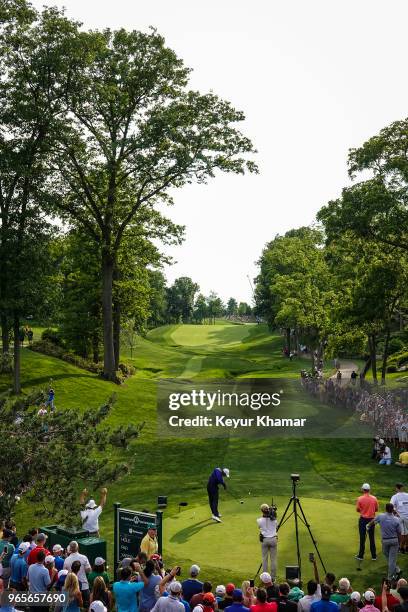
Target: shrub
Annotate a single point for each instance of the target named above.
(52, 335)
(399, 359)
(396, 345)
(49, 348)
(391, 369)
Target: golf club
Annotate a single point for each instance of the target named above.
(239, 501)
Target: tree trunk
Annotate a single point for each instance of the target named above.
(372, 343)
(385, 358)
(16, 373)
(116, 332)
(107, 316)
(5, 334)
(288, 338)
(367, 366)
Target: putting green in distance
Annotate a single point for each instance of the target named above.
(210, 336)
(233, 545)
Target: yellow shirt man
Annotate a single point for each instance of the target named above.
(149, 543)
(403, 458)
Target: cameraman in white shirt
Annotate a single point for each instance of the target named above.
(268, 537)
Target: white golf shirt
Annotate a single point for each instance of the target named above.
(267, 527)
(90, 518)
(400, 502)
(85, 567)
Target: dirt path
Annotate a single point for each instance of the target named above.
(346, 368)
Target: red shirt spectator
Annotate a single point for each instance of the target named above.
(40, 539)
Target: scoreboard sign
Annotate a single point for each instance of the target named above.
(130, 528)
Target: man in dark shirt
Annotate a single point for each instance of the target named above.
(403, 593)
(284, 604)
(192, 586)
(215, 480)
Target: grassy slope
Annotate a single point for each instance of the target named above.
(330, 470)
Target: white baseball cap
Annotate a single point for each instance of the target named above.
(49, 559)
(97, 606)
(194, 570)
(369, 596)
(220, 590)
(175, 587)
(24, 546)
(355, 596)
(57, 548)
(226, 472)
(99, 561)
(366, 487)
(91, 504)
(265, 577)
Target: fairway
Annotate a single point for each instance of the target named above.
(332, 471)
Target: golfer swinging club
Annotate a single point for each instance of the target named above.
(215, 480)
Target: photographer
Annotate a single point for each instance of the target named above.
(268, 536)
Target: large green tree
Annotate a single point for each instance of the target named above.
(131, 133)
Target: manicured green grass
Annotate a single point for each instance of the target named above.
(332, 471)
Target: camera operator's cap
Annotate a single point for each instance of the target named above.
(194, 570)
(175, 587)
(221, 590)
(24, 546)
(265, 577)
(369, 596)
(230, 588)
(226, 472)
(264, 508)
(355, 596)
(97, 606)
(208, 598)
(99, 561)
(366, 486)
(91, 504)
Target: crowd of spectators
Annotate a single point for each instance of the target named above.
(384, 410)
(141, 584)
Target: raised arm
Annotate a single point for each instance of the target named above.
(82, 496)
(104, 493)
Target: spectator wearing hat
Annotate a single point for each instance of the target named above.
(342, 595)
(272, 592)
(369, 597)
(324, 605)
(220, 591)
(208, 603)
(353, 604)
(237, 602)
(57, 551)
(390, 536)
(171, 603)
(191, 586)
(97, 606)
(261, 604)
(198, 597)
(126, 590)
(98, 570)
(6, 552)
(19, 568)
(367, 507)
(149, 544)
(227, 601)
(85, 568)
(40, 539)
(91, 512)
(49, 564)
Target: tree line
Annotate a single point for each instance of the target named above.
(97, 130)
(341, 286)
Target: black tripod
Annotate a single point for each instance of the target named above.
(297, 511)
